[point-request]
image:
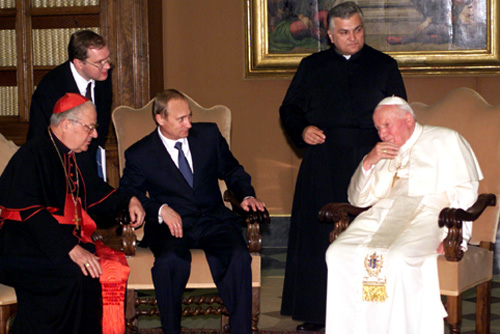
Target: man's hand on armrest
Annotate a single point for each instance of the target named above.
(136, 212)
(253, 203)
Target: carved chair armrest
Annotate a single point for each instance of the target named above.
(253, 220)
(339, 213)
(453, 218)
(120, 236)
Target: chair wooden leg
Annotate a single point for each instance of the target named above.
(224, 323)
(131, 323)
(454, 308)
(6, 313)
(255, 309)
(483, 308)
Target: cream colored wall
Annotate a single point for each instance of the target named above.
(204, 56)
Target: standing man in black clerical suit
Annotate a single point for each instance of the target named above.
(87, 72)
(178, 165)
(327, 111)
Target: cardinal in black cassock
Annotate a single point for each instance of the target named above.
(47, 192)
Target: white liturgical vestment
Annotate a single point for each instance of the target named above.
(382, 271)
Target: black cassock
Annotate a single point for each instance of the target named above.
(53, 294)
(338, 96)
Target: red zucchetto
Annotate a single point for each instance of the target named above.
(69, 101)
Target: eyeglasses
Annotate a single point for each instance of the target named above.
(100, 64)
(89, 127)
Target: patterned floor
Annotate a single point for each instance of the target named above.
(273, 268)
(273, 265)
(469, 305)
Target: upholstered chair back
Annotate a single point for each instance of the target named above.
(465, 111)
(133, 124)
(7, 150)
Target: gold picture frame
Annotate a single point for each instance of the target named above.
(481, 57)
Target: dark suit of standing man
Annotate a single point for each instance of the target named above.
(182, 216)
(88, 63)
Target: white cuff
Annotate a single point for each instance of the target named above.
(160, 219)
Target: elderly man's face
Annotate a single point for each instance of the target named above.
(393, 125)
(177, 123)
(80, 131)
(348, 35)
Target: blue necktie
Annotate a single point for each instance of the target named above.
(184, 165)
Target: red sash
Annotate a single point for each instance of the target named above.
(113, 263)
(113, 280)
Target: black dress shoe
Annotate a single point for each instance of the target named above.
(310, 327)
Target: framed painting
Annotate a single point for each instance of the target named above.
(426, 37)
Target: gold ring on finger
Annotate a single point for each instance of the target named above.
(87, 264)
(384, 151)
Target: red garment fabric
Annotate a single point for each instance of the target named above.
(115, 271)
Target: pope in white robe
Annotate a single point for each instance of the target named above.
(382, 271)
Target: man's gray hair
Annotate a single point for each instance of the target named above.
(344, 11)
(398, 102)
(73, 113)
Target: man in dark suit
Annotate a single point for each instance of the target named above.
(87, 72)
(185, 209)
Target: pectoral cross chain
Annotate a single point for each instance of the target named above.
(394, 179)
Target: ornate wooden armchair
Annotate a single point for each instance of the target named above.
(130, 126)
(463, 110)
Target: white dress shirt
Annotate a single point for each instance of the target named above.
(81, 82)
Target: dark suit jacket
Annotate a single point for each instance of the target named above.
(149, 168)
(54, 85)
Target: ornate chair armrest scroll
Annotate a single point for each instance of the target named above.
(253, 219)
(453, 218)
(120, 235)
(339, 214)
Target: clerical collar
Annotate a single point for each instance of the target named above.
(348, 57)
(413, 138)
(60, 146)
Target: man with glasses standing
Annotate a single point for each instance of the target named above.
(87, 72)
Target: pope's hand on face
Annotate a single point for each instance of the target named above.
(383, 150)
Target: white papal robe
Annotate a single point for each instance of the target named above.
(434, 169)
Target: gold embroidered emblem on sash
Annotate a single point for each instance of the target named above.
(374, 287)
